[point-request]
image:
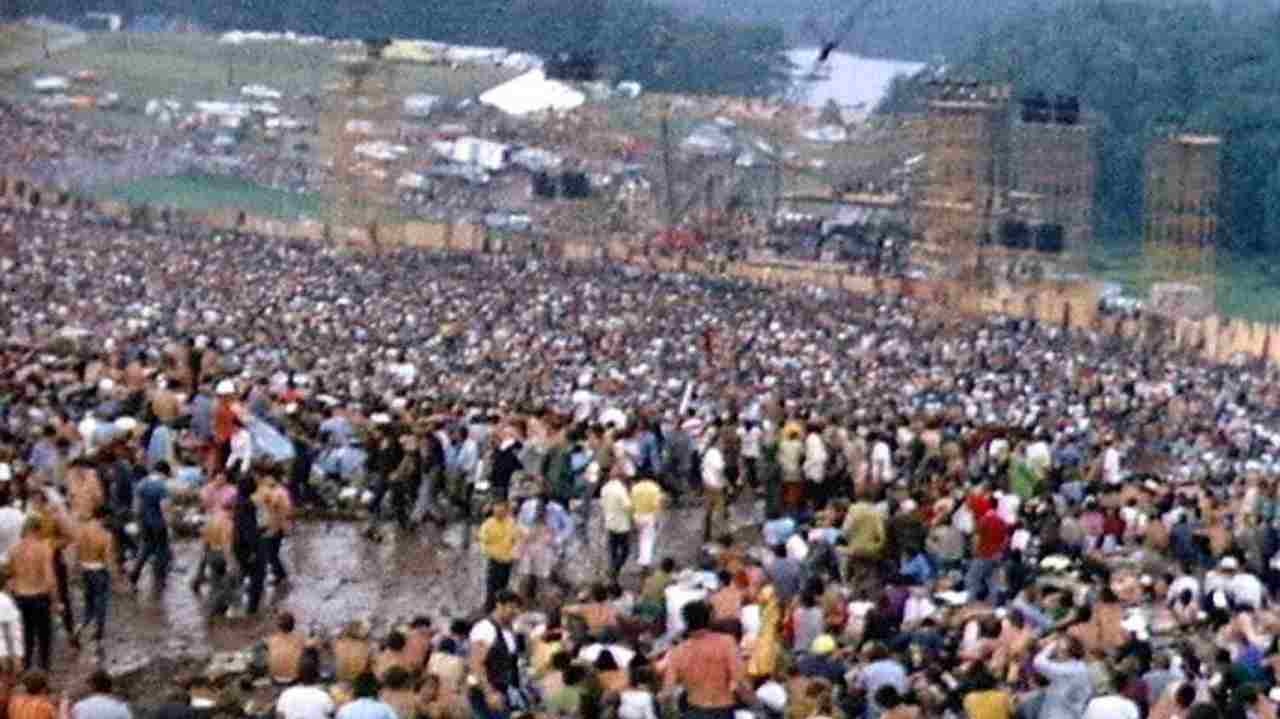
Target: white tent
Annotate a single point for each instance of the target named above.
(533, 92)
(52, 83)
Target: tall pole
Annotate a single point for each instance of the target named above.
(668, 172)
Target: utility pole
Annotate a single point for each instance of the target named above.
(668, 173)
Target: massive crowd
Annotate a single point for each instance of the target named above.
(950, 517)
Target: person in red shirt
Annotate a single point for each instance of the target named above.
(991, 541)
(224, 424)
(1113, 526)
(979, 502)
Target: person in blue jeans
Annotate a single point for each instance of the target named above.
(152, 496)
(95, 547)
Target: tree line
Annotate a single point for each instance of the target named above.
(1143, 69)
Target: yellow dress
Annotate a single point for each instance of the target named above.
(768, 646)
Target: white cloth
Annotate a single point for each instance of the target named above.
(882, 463)
(751, 439)
(1111, 466)
(637, 704)
(11, 618)
(1183, 584)
(11, 521)
(916, 610)
(1039, 458)
(1245, 590)
(304, 702)
(615, 502)
(815, 458)
(241, 451)
(1112, 706)
(1007, 507)
(485, 632)
(713, 466)
(677, 597)
(1215, 580)
(647, 529)
(621, 654)
(584, 404)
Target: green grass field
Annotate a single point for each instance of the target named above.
(211, 192)
(208, 192)
(197, 67)
(17, 37)
(1244, 286)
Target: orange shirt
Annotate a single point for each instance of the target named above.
(707, 665)
(224, 416)
(32, 706)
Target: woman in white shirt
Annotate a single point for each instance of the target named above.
(815, 456)
(713, 486)
(241, 448)
(882, 470)
(639, 701)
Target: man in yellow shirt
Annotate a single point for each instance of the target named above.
(497, 536)
(647, 502)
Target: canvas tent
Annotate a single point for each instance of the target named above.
(533, 92)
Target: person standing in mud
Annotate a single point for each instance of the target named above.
(57, 528)
(384, 459)
(225, 414)
(405, 480)
(153, 503)
(248, 542)
(95, 548)
(33, 584)
(498, 537)
(277, 513)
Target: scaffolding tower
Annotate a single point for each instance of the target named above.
(1181, 224)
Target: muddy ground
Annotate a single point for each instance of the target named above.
(336, 575)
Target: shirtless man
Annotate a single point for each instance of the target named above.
(84, 489)
(58, 529)
(33, 585)
(285, 648)
(95, 546)
(217, 536)
(277, 510)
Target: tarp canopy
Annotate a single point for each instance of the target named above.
(533, 92)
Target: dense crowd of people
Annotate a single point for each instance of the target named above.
(947, 516)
